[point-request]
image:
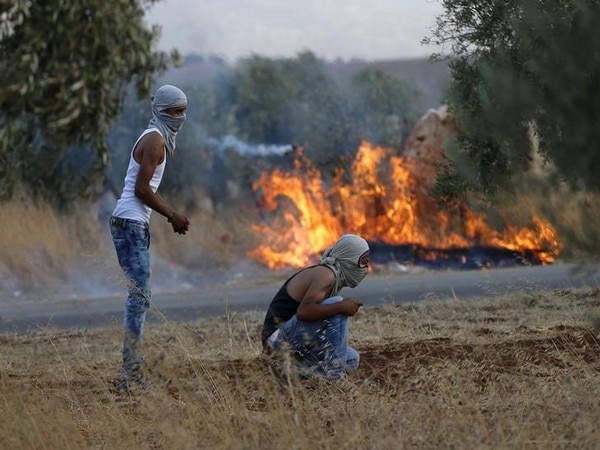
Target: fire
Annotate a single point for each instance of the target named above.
(386, 200)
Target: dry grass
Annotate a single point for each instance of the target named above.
(44, 250)
(512, 372)
(39, 245)
(213, 241)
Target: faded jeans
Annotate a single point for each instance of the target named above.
(320, 349)
(132, 244)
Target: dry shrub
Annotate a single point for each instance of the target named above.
(495, 373)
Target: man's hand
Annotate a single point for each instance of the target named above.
(180, 223)
(350, 306)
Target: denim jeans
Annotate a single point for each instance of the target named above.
(132, 244)
(320, 349)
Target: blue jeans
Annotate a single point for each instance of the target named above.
(132, 244)
(319, 348)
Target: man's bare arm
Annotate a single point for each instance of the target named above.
(150, 152)
(311, 309)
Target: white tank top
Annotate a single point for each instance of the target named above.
(129, 206)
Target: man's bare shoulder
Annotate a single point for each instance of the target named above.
(323, 271)
(152, 145)
(315, 282)
(319, 273)
(152, 139)
(322, 275)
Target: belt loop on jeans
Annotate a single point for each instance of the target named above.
(117, 222)
(122, 223)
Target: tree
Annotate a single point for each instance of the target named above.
(262, 89)
(523, 67)
(63, 70)
(319, 116)
(385, 107)
(292, 101)
(295, 100)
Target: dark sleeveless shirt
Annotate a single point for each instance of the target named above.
(282, 308)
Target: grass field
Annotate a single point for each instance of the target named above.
(511, 372)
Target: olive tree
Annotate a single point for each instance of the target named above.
(385, 108)
(523, 68)
(64, 67)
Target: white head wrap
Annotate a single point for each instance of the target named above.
(343, 258)
(166, 97)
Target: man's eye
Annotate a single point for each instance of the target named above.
(363, 260)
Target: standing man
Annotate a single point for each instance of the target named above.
(129, 223)
(308, 317)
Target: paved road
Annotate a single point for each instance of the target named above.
(218, 300)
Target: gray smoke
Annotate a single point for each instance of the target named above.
(232, 143)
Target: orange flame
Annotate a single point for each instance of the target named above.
(386, 201)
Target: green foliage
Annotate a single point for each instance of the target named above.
(523, 66)
(451, 190)
(281, 101)
(63, 68)
(385, 108)
(262, 91)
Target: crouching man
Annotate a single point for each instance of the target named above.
(308, 318)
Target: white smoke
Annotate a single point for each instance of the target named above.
(233, 143)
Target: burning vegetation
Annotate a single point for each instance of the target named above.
(385, 197)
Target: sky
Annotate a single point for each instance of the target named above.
(346, 29)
